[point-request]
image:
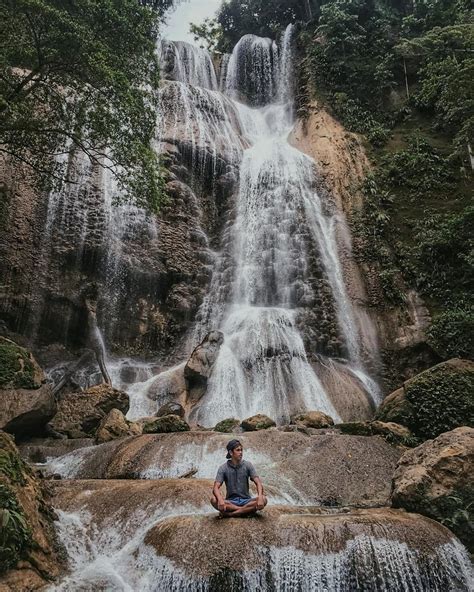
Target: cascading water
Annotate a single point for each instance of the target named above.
(262, 278)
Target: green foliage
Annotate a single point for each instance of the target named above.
(209, 34)
(12, 467)
(442, 400)
(81, 76)
(16, 368)
(15, 534)
(443, 255)
(260, 17)
(456, 511)
(451, 334)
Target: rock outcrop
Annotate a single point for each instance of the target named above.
(336, 470)
(114, 425)
(312, 419)
(29, 552)
(79, 414)
(281, 546)
(257, 422)
(435, 479)
(435, 401)
(226, 426)
(171, 409)
(26, 400)
(165, 425)
(199, 367)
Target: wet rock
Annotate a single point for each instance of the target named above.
(435, 479)
(226, 426)
(79, 414)
(165, 425)
(307, 544)
(28, 550)
(168, 385)
(257, 422)
(38, 450)
(312, 419)
(199, 366)
(27, 403)
(171, 409)
(435, 401)
(330, 469)
(114, 425)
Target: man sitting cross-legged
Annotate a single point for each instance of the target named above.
(235, 473)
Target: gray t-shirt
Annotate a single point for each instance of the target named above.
(236, 478)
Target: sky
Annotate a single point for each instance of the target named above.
(188, 11)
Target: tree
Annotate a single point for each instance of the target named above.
(81, 75)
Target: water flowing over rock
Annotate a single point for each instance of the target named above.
(381, 550)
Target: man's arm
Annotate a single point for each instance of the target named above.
(260, 498)
(216, 490)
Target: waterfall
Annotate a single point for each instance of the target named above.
(264, 276)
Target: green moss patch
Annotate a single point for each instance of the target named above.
(442, 399)
(226, 426)
(15, 534)
(16, 366)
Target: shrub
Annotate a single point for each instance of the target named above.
(15, 534)
(442, 399)
(16, 367)
(451, 334)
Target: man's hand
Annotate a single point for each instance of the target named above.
(260, 502)
(221, 505)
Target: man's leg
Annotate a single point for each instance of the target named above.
(229, 506)
(249, 508)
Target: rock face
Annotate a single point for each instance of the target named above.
(391, 432)
(26, 402)
(435, 401)
(313, 419)
(435, 479)
(199, 367)
(165, 424)
(114, 425)
(328, 469)
(79, 414)
(282, 546)
(28, 551)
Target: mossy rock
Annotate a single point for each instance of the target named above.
(442, 398)
(397, 409)
(227, 426)
(392, 433)
(355, 428)
(17, 367)
(165, 425)
(257, 422)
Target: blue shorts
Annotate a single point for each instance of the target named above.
(240, 501)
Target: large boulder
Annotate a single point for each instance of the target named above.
(79, 414)
(392, 432)
(26, 401)
(226, 426)
(435, 401)
(436, 479)
(28, 547)
(312, 419)
(180, 547)
(114, 425)
(169, 385)
(257, 422)
(199, 366)
(165, 424)
(324, 469)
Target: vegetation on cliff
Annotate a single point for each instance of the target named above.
(82, 76)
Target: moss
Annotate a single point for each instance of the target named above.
(226, 426)
(165, 425)
(452, 334)
(16, 367)
(442, 399)
(356, 428)
(15, 534)
(359, 428)
(398, 411)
